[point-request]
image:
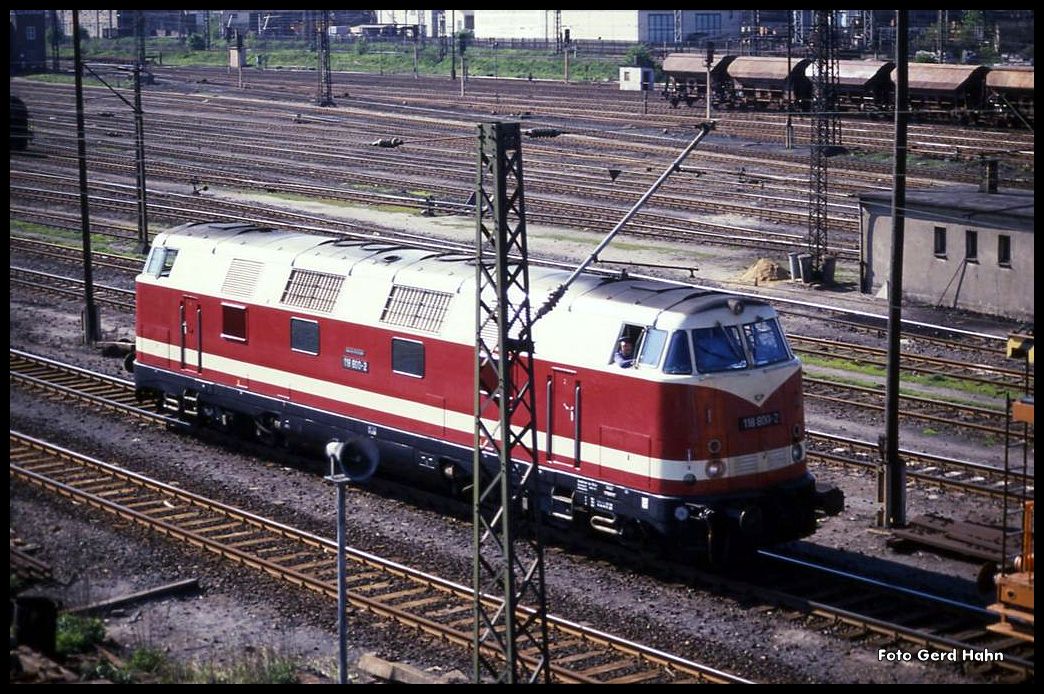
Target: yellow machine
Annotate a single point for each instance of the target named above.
(1015, 589)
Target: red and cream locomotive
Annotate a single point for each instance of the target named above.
(697, 442)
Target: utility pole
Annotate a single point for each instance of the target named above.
(91, 326)
(788, 132)
(324, 95)
(508, 570)
(56, 41)
(139, 141)
(892, 477)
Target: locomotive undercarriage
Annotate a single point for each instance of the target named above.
(712, 528)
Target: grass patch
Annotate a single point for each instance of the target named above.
(928, 380)
(77, 634)
(260, 667)
(100, 243)
(382, 57)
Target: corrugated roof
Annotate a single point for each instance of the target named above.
(943, 78)
(856, 72)
(1010, 78)
(762, 68)
(679, 64)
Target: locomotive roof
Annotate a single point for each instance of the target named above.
(243, 262)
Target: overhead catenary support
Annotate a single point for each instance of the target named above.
(510, 645)
(825, 135)
(892, 477)
(324, 96)
(91, 325)
(139, 144)
(556, 296)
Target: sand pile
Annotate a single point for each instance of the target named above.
(764, 271)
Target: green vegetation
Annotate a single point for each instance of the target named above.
(258, 667)
(77, 634)
(360, 55)
(929, 380)
(150, 665)
(72, 238)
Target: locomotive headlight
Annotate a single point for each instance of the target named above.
(682, 513)
(797, 452)
(715, 468)
(714, 446)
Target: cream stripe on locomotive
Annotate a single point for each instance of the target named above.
(622, 461)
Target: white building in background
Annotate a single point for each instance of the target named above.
(647, 26)
(432, 22)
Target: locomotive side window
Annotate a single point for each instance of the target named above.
(408, 357)
(304, 336)
(234, 322)
(632, 335)
(652, 347)
(161, 261)
(678, 359)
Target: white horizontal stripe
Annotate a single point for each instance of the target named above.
(612, 458)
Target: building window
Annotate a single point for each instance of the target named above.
(30, 33)
(661, 28)
(408, 357)
(234, 322)
(940, 242)
(1004, 250)
(708, 22)
(971, 246)
(304, 336)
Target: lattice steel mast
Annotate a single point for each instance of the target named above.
(508, 568)
(826, 132)
(324, 97)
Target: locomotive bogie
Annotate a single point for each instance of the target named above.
(365, 351)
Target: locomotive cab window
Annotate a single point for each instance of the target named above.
(766, 342)
(652, 347)
(304, 336)
(408, 357)
(626, 346)
(718, 349)
(160, 261)
(234, 322)
(679, 359)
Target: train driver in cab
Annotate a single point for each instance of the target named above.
(624, 357)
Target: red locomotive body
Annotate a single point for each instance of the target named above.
(298, 338)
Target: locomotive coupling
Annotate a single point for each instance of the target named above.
(829, 499)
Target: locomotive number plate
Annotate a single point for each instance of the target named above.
(758, 421)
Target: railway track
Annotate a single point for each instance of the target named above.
(386, 589)
(869, 611)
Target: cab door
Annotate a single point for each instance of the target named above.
(190, 316)
(564, 402)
